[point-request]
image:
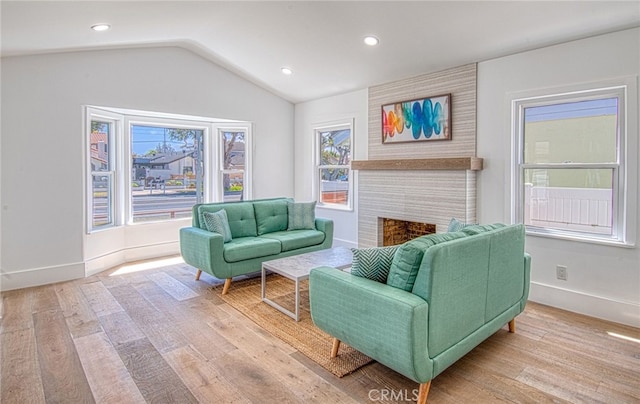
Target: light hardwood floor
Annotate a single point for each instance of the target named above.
(157, 335)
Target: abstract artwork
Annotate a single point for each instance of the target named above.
(420, 119)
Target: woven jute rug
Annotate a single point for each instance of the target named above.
(244, 295)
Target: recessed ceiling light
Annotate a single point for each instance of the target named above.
(286, 70)
(371, 40)
(100, 27)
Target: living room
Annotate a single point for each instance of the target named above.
(44, 239)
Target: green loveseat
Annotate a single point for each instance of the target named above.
(449, 292)
(260, 230)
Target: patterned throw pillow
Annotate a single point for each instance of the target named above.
(456, 225)
(302, 215)
(218, 222)
(373, 263)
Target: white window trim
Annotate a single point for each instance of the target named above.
(247, 186)
(626, 190)
(326, 126)
(119, 150)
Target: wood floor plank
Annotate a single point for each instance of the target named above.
(17, 310)
(208, 342)
(108, 378)
(63, 377)
(120, 328)
(203, 378)
(176, 289)
(154, 324)
(81, 319)
(204, 286)
(153, 376)
(256, 383)
(177, 347)
(265, 348)
(19, 369)
(100, 299)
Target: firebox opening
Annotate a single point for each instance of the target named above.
(396, 231)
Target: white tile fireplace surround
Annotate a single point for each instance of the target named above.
(411, 181)
(418, 196)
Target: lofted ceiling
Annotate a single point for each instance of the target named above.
(321, 41)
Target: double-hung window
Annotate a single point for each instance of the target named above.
(150, 167)
(102, 169)
(570, 164)
(333, 168)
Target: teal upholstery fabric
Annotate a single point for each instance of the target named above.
(244, 248)
(247, 250)
(218, 222)
(467, 288)
(406, 262)
(271, 216)
(373, 263)
(242, 220)
(474, 229)
(295, 239)
(385, 323)
(301, 215)
(457, 225)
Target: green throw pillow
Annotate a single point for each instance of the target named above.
(456, 225)
(302, 215)
(373, 263)
(218, 222)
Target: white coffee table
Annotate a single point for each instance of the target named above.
(298, 267)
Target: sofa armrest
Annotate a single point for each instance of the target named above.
(201, 248)
(325, 226)
(383, 322)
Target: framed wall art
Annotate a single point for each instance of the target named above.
(416, 120)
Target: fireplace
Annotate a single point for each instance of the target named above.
(396, 231)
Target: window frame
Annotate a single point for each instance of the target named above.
(120, 150)
(317, 183)
(623, 200)
(219, 129)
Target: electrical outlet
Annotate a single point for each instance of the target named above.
(561, 272)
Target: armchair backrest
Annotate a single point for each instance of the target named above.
(470, 280)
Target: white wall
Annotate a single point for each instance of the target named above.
(42, 150)
(307, 116)
(603, 281)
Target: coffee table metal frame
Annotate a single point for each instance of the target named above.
(298, 267)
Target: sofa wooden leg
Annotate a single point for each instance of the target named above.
(335, 347)
(512, 325)
(198, 274)
(227, 283)
(424, 392)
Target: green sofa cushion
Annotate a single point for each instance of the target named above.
(218, 222)
(302, 215)
(242, 219)
(271, 216)
(245, 248)
(406, 262)
(474, 229)
(294, 239)
(373, 263)
(457, 225)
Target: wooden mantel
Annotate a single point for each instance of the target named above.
(451, 163)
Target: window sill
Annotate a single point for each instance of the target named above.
(335, 207)
(579, 238)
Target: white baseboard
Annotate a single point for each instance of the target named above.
(344, 243)
(41, 276)
(107, 261)
(595, 306)
(67, 272)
